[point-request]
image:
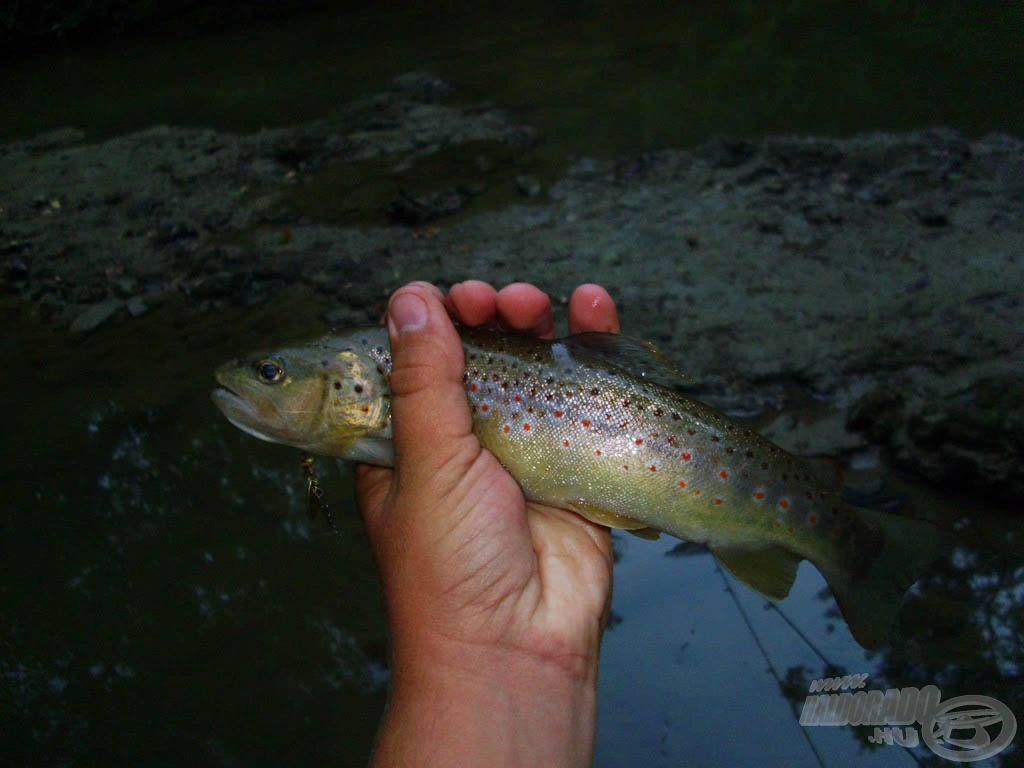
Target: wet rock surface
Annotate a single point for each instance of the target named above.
(880, 275)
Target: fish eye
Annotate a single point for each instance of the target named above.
(269, 371)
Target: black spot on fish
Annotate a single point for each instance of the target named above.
(337, 385)
(358, 389)
(676, 416)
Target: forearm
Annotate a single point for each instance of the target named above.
(495, 710)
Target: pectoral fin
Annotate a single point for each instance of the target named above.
(770, 571)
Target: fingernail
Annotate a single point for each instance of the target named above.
(407, 312)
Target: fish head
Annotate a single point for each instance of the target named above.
(323, 397)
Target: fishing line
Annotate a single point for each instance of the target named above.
(771, 667)
(799, 633)
(764, 654)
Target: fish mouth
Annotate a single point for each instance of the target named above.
(239, 411)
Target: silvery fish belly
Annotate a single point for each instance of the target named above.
(591, 423)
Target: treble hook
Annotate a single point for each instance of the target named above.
(316, 498)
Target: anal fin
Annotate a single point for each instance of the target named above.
(770, 571)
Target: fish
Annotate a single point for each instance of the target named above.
(596, 423)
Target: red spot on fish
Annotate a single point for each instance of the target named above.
(813, 519)
(585, 422)
(639, 441)
(472, 387)
(681, 483)
(723, 473)
(527, 427)
(691, 431)
(625, 467)
(696, 492)
(565, 443)
(653, 468)
(518, 399)
(686, 456)
(507, 429)
(778, 523)
(597, 452)
(784, 503)
(789, 530)
(558, 414)
(759, 495)
(485, 407)
(718, 501)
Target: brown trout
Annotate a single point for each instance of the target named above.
(591, 423)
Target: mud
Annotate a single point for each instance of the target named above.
(878, 276)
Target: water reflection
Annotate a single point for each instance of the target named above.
(166, 598)
(725, 674)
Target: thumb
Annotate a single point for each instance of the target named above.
(432, 430)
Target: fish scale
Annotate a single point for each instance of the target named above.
(577, 434)
(592, 423)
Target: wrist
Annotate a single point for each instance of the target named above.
(488, 706)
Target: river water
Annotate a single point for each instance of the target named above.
(166, 601)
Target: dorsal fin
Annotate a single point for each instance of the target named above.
(634, 357)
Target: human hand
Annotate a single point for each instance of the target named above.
(496, 605)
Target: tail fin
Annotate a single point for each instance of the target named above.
(887, 554)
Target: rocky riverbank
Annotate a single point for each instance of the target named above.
(878, 275)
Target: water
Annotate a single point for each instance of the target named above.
(164, 598)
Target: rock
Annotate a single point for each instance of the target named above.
(416, 210)
(423, 87)
(95, 316)
(55, 139)
(972, 438)
(136, 306)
